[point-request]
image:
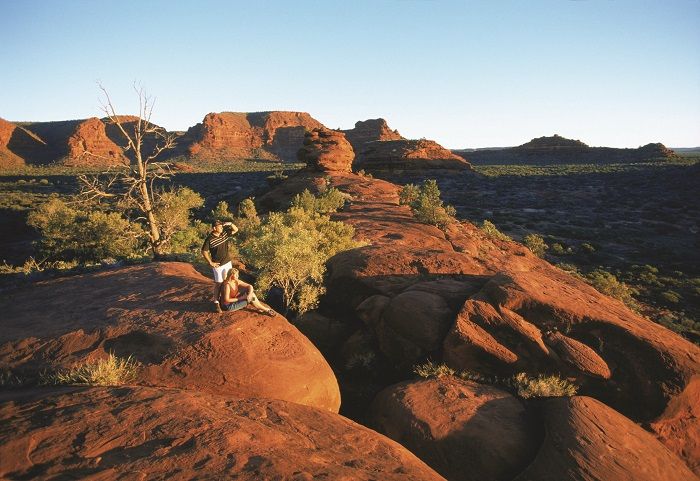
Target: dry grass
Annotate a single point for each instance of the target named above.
(112, 371)
(528, 387)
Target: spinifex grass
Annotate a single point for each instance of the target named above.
(112, 371)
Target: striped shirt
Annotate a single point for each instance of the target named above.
(217, 246)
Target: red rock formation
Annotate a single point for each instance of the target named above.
(408, 155)
(155, 313)
(89, 145)
(238, 135)
(326, 151)
(586, 440)
(369, 131)
(19, 147)
(149, 433)
(464, 430)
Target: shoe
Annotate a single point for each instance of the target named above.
(270, 313)
(217, 307)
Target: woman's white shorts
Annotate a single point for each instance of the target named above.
(221, 271)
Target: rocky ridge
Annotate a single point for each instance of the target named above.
(559, 150)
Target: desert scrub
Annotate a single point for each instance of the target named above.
(606, 283)
(527, 387)
(426, 204)
(112, 371)
(430, 370)
(536, 244)
(492, 231)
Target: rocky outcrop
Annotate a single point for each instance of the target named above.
(239, 135)
(147, 433)
(89, 145)
(156, 313)
(463, 430)
(586, 440)
(368, 131)
(326, 151)
(560, 150)
(19, 147)
(397, 155)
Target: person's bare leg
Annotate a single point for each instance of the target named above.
(217, 291)
(260, 306)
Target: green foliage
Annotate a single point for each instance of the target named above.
(408, 194)
(588, 248)
(528, 387)
(220, 212)
(330, 200)
(557, 249)
(172, 209)
(608, 284)
(290, 250)
(426, 204)
(113, 371)
(536, 244)
(68, 233)
(492, 231)
(671, 297)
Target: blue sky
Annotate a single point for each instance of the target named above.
(465, 73)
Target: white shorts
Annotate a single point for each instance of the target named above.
(221, 271)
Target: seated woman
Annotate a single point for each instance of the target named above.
(236, 294)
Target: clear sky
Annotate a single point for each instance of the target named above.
(618, 73)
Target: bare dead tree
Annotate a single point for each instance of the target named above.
(131, 183)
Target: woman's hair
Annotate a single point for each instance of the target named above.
(231, 273)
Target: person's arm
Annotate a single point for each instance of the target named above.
(226, 294)
(233, 227)
(249, 290)
(207, 255)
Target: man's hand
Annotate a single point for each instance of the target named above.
(214, 264)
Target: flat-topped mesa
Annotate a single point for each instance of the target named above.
(241, 135)
(408, 155)
(18, 146)
(326, 151)
(369, 131)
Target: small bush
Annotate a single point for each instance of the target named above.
(528, 387)
(557, 249)
(536, 244)
(607, 283)
(430, 370)
(427, 206)
(671, 297)
(330, 200)
(491, 231)
(113, 371)
(588, 248)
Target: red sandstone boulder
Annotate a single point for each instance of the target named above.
(158, 314)
(679, 425)
(408, 155)
(463, 430)
(89, 145)
(149, 433)
(586, 440)
(369, 131)
(326, 151)
(577, 354)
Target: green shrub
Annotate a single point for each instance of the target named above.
(671, 297)
(588, 248)
(71, 234)
(330, 200)
(557, 249)
(608, 284)
(408, 194)
(536, 244)
(289, 251)
(113, 371)
(427, 206)
(172, 209)
(220, 212)
(491, 231)
(528, 387)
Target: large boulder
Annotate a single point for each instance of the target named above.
(326, 151)
(156, 433)
(158, 314)
(19, 146)
(464, 430)
(586, 440)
